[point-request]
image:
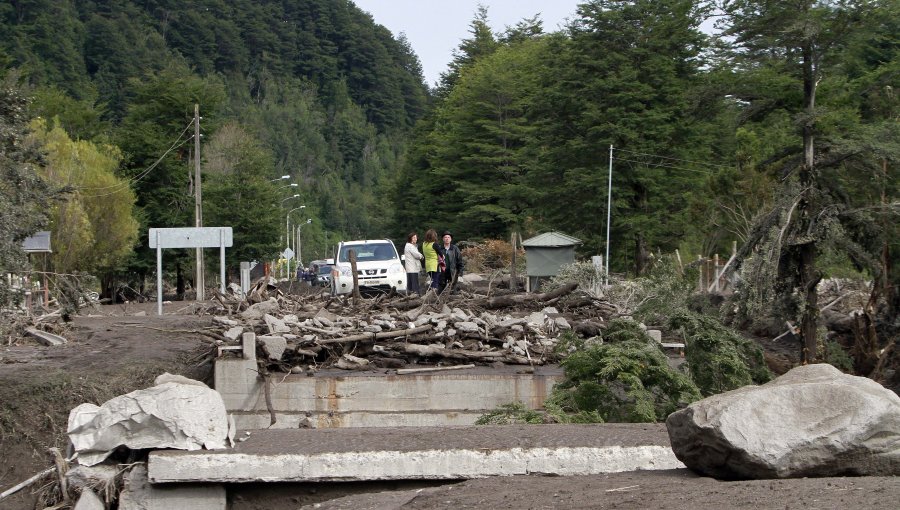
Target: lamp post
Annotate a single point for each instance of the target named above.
(283, 177)
(297, 243)
(287, 233)
(291, 185)
(295, 195)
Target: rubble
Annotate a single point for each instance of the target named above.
(176, 413)
(318, 330)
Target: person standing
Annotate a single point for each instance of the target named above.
(412, 260)
(453, 260)
(432, 252)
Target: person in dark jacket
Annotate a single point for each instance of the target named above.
(453, 260)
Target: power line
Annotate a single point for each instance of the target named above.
(122, 185)
(704, 172)
(675, 159)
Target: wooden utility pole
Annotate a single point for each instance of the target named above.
(513, 280)
(199, 284)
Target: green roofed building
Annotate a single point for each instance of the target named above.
(545, 254)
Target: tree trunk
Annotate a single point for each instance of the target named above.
(806, 255)
(179, 282)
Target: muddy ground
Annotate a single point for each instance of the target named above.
(113, 351)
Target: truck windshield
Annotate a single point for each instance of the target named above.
(369, 252)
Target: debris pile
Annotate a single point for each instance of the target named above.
(308, 332)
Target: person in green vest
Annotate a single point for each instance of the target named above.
(432, 251)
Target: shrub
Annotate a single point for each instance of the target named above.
(491, 255)
(628, 380)
(509, 414)
(719, 359)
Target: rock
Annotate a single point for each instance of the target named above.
(100, 475)
(259, 310)
(457, 315)
(274, 346)
(550, 311)
(142, 313)
(472, 278)
(88, 500)
(234, 333)
(655, 334)
(168, 415)
(512, 321)
(562, 323)
(166, 377)
(291, 319)
(536, 319)
(225, 321)
(276, 325)
(812, 421)
(467, 327)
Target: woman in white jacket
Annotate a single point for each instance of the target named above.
(413, 261)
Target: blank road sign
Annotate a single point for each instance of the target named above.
(191, 237)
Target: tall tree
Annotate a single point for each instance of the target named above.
(94, 230)
(801, 42)
(154, 138)
(24, 196)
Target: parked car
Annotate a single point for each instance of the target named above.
(378, 267)
(321, 272)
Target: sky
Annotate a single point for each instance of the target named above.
(435, 28)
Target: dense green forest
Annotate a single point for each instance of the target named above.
(778, 132)
(314, 90)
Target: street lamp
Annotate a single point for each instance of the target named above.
(297, 243)
(295, 195)
(291, 185)
(283, 177)
(287, 233)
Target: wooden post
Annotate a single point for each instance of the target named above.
(700, 265)
(513, 281)
(716, 271)
(356, 296)
(680, 265)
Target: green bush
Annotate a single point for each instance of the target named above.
(626, 380)
(836, 356)
(509, 414)
(719, 359)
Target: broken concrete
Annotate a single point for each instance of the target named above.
(46, 338)
(169, 415)
(421, 453)
(140, 494)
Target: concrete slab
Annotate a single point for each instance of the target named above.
(340, 398)
(139, 494)
(411, 453)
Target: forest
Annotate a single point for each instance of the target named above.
(776, 130)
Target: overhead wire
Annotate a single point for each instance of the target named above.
(116, 188)
(673, 159)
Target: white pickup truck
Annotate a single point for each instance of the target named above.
(378, 267)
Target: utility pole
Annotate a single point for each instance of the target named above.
(608, 212)
(199, 284)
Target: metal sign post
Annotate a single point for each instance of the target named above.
(197, 237)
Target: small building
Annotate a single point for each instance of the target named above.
(545, 254)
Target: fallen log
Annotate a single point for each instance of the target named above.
(520, 299)
(375, 336)
(404, 371)
(460, 354)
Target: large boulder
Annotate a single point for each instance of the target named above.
(176, 413)
(812, 421)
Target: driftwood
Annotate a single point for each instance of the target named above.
(520, 299)
(404, 371)
(460, 354)
(375, 336)
(21, 485)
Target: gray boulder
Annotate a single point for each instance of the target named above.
(812, 421)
